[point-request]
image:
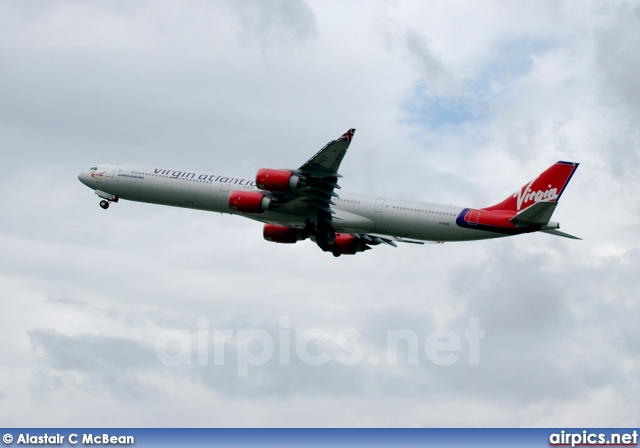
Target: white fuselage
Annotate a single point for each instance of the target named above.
(354, 213)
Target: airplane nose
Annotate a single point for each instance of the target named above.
(83, 177)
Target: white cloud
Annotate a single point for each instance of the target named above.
(228, 87)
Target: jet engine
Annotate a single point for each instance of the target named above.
(282, 234)
(277, 180)
(249, 201)
(348, 245)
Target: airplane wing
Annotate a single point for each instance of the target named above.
(372, 238)
(326, 162)
(308, 192)
(319, 179)
(352, 243)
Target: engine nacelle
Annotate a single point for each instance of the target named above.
(349, 244)
(277, 180)
(281, 234)
(249, 201)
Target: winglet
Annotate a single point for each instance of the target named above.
(327, 160)
(347, 136)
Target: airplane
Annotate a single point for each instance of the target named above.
(299, 204)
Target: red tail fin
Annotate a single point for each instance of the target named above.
(547, 187)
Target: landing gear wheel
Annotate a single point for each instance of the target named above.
(335, 250)
(104, 204)
(325, 234)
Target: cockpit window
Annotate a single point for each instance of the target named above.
(93, 168)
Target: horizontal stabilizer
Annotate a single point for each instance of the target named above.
(538, 213)
(559, 233)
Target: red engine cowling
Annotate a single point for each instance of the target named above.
(277, 180)
(349, 244)
(281, 234)
(248, 201)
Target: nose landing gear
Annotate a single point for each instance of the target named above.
(107, 199)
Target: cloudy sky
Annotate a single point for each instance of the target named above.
(113, 318)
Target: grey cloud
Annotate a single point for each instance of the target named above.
(429, 64)
(274, 378)
(92, 362)
(616, 42)
(416, 48)
(540, 344)
(68, 301)
(618, 61)
(179, 88)
(281, 381)
(149, 90)
(280, 23)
